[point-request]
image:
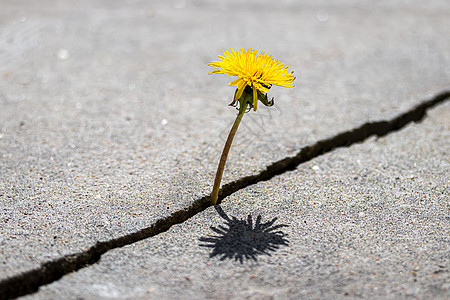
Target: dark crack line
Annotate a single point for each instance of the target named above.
(29, 282)
(344, 139)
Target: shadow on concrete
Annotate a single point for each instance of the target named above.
(242, 240)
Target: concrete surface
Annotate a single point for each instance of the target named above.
(109, 122)
(369, 221)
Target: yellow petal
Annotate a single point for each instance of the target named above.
(235, 82)
(241, 87)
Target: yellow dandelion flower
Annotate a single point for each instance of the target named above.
(258, 71)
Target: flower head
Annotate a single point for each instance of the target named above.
(258, 71)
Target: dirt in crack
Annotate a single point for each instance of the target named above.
(30, 281)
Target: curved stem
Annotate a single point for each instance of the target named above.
(223, 158)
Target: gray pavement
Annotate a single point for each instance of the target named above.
(370, 221)
(110, 126)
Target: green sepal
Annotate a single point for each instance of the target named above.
(246, 100)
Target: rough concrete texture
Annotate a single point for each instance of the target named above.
(109, 122)
(368, 221)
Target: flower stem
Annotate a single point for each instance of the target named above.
(223, 158)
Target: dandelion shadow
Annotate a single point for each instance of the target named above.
(244, 240)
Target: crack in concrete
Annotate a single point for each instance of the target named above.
(29, 282)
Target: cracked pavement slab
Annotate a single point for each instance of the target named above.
(368, 221)
(103, 106)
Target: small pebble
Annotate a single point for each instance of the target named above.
(63, 54)
(322, 16)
